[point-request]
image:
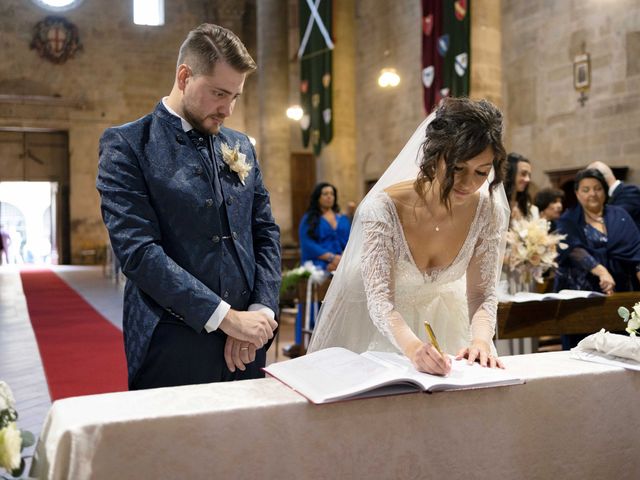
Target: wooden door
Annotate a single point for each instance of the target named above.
(303, 180)
(37, 156)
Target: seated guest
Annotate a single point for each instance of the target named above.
(323, 234)
(603, 252)
(621, 194)
(516, 186)
(549, 203)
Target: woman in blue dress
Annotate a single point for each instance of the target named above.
(323, 235)
(603, 252)
(323, 232)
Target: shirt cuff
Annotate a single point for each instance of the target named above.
(216, 318)
(262, 308)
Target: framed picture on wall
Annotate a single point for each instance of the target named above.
(581, 72)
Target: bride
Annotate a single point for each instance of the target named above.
(426, 245)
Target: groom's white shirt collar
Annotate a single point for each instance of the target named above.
(186, 126)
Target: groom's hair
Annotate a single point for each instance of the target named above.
(461, 130)
(209, 44)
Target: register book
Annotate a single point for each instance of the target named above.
(335, 374)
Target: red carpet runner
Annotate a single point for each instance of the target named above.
(81, 351)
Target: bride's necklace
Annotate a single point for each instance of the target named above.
(438, 223)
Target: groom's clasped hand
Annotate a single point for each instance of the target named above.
(246, 332)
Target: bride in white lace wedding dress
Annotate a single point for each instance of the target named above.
(426, 245)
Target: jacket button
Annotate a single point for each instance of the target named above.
(180, 139)
(209, 202)
(229, 200)
(244, 292)
(226, 293)
(234, 235)
(199, 170)
(215, 239)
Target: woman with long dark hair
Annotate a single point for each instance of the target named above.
(323, 235)
(516, 186)
(426, 245)
(323, 231)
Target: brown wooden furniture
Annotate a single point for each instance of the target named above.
(558, 317)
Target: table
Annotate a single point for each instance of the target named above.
(558, 317)
(571, 420)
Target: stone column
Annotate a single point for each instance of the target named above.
(273, 87)
(486, 51)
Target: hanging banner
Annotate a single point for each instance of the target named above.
(446, 50)
(316, 79)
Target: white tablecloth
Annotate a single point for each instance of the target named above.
(571, 419)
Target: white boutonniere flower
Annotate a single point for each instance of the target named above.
(237, 161)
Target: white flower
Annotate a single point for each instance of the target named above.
(316, 274)
(531, 249)
(237, 161)
(10, 446)
(6, 397)
(633, 319)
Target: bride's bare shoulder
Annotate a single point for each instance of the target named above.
(402, 193)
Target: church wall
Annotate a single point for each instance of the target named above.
(545, 121)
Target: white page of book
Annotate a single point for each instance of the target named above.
(561, 295)
(462, 374)
(333, 373)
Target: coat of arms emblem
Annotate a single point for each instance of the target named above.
(56, 39)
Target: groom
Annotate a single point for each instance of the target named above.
(190, 222)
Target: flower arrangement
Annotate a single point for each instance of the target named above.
(632, 319)
(12, 439)
(290, 278)
(531, 249)
(237, 161)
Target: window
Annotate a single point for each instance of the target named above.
(148, 12)
(57, 5)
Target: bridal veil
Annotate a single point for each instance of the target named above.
(344, 318)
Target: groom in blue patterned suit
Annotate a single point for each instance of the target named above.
(190, 222)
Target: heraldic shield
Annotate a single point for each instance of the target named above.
(56, 39)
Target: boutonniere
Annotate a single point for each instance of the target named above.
(237, 161)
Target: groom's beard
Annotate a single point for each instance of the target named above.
(213, 125)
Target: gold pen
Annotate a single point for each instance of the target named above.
(432, 337)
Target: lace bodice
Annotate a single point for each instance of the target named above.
(394, 283)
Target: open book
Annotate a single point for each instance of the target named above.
(337, 374)
(561, 295)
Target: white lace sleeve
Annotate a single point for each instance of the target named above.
(377, 265)
(483, 273)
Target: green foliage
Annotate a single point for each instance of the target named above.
(291, 278)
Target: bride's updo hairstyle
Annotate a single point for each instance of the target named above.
(461, 130)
